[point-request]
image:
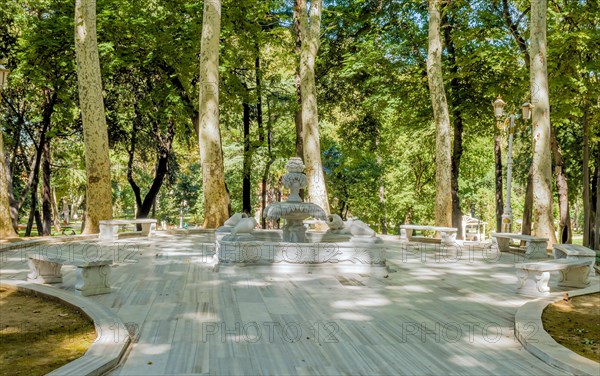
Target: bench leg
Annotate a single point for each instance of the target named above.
(148, 229)
(108, 232)
(503, 244)
(532, 282)
(577, 276)
(93, 280)
(44, 272)
(591, 259)
(536, 250)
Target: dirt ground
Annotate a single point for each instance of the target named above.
(575, 324)
(38, 335)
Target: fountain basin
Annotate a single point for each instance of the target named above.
(269, 252)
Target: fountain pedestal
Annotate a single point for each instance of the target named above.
(294, 230)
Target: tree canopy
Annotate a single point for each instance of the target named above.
(375, 116)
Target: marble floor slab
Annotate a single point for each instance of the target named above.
(441, 312)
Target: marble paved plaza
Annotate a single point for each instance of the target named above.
(442, 312)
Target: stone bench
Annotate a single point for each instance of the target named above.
(575, 252)
(448, 234)
(109, 229)
(93, 276)
(536, 247)
(533, 277)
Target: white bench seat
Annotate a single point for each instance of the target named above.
(575, 252)
(448, 234)
(533, 277)
(536, 247)
(109, 229)
(93, 276)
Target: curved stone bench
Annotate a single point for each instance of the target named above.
(529, 330)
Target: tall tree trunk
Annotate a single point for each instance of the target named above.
(564, 232)
(542, 162)
(46, 192)
(498, 163)
(528, 204)
(55, 213)
(522, 44)
(310, 29)
(383, 217)
(443, 165)
(265, 175)
(593, 207)
(597, 216)
(247, 163)
(299, 7)
(6, 225)
(95, 131)
(211, 154)
(35, 173)
(457, 148)
(14, 204)
(586, 179)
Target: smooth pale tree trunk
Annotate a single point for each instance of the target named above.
(298, 115)
(6, 226)
(542, 162)
(211, 155)
(310, 29)
(55, 213)
(95, 131)
(443, 165)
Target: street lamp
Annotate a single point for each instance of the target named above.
(3, 76)
(508, 124)
(182, 212)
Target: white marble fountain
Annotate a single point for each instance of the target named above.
(345, 243)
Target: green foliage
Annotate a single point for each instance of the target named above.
(374, 105)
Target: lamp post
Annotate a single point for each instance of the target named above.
(182, 213)
(3, 76)
(508, 125)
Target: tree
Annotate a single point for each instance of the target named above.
(6, 226)
(542, 161)
(443, 165)
(95, 133)
(310, 29)
(213, 176)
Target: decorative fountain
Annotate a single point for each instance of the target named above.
(350, 243)
(294, 210)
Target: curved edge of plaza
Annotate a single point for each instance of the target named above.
(105, 352)
(530, 331)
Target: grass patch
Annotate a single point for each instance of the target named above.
(38, 335)
(575, 324)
